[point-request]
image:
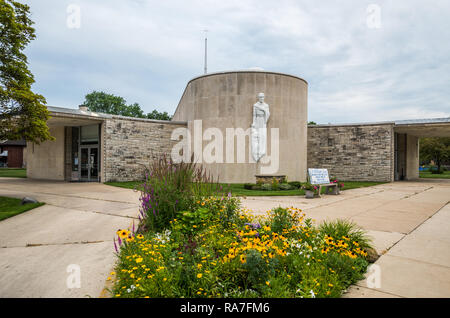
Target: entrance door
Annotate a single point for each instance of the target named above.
(89, 163)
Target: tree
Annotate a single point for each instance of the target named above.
(312, 123)
(23, 114)
(111, 104)
(158, 115)
(436, 149)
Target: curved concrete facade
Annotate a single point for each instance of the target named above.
(225, 100)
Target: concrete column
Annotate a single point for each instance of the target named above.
(412, 157)
(46, 161)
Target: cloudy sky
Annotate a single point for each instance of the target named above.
(364, 60)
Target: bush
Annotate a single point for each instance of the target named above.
(295, 184)
(248, 186)
(345, 231)
(266, 187)
(169, 188)
(275, 184)
(282, 255)
(285, 186)
(310, 187)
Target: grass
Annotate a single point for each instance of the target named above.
(11, 206)
(13, 173)
(428, 174)
(237, 189)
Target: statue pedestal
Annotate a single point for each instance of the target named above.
(262, 179)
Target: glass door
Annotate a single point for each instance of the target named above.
(89, 163)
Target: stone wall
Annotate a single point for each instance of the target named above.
(353, 152)
(131, 144)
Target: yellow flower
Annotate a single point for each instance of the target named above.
(199, 275)
(140, 236)
(122, 233)
(268, 283)
(139, 259)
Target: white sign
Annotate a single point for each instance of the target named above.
(318, 176)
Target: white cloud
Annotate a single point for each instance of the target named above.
(146, 51)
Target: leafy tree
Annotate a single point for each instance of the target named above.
(436, 149)
(111, 104)
(312, 123)
(23, 114)
(159, 115)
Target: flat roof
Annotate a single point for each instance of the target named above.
(392, 122)
(96, 115)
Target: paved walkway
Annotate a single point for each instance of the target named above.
(409, 222)
(76, 226)
(410, 226)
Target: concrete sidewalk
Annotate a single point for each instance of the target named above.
(76, 226)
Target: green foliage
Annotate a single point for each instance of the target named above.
(275, 184)
(159, 115)
(295, 184)
(280, 219)
(248, 186)
(351, 270)
(436, 149)
(111, 104)
(282, 255)
(256, 269)
(310, 187)
(285, 186)
(23, 114)
(193, 221)
(266, 187)
(169, 188)
(345, 229)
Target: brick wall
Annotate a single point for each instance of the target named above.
(131, 144)
(353, 152)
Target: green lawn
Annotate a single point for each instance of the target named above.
(428, 174)
(12, 206)
(237, 189)
(13, 172)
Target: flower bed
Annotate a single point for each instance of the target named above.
(218, 250)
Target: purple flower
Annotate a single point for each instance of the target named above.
(115, 245)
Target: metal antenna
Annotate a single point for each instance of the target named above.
(206, 51)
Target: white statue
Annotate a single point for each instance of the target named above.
(259, 128)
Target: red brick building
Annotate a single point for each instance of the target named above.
(12, 153)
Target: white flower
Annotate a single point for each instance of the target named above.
(312, 294)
